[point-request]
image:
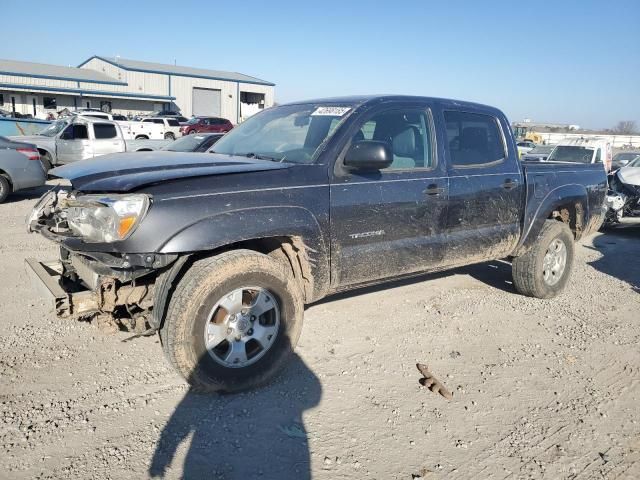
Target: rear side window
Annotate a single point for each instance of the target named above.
(104, 130)
(173, 123)
(473, 138)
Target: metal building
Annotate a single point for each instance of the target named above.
(130, 87)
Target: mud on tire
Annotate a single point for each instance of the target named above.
(190, 311)
(529, 270)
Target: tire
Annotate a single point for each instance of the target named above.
(142, 137)
(169, 136)
(192, 132)
(532, 274)
(5, 188)
(46, 162)
(195, 306)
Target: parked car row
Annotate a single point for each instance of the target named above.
(206, 124)
(81, 137)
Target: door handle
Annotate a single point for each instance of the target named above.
(433, 190)
(509, 184)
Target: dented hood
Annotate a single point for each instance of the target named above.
(630, 176)
(123, 172)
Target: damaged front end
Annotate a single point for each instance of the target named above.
(623, 197)
(89, 281)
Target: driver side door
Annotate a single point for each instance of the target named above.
(390, 222)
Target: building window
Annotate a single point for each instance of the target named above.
(1, 100)
(105, 106)
(49, 103)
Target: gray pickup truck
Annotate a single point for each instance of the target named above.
(220, 252)
(80, 138)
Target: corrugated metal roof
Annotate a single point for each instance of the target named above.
(55, 72)
(151, 67)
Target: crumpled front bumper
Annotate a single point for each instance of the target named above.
(75, 296)
(68, 300)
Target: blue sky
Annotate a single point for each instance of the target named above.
(564, 61)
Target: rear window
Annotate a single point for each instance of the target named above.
(474, 139)
(104, 130)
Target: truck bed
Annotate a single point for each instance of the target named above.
(582, 188)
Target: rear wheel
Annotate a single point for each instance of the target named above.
(544, 270)
(169, 136)
(142, 137)
(233, 321)
(5, 188)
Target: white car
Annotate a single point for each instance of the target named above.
(170, 125)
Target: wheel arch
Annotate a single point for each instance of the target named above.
(568, 204)
(288, 234)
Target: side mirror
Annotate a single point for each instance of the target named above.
(368, 155)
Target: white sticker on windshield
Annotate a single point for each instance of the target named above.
(331, 111)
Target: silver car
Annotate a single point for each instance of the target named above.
(20, 167)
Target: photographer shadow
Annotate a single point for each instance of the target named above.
(256, 434)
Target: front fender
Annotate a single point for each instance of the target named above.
(537, 212)
(247, 224)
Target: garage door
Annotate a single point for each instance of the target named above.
(206, 102)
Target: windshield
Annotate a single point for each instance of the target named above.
(625, 156)
(185, 144)
(635, 163)
(541, 149)
(571, 153)
(55, 128)
(292, 133)
(193, 121)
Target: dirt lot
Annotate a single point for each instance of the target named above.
(542, 389)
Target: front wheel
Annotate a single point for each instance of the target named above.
(544, 270)
(233, 321)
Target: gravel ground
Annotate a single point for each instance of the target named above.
(542, 389)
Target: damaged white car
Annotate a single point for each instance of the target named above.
(623, 198)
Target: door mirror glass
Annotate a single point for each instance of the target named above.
(368, 155)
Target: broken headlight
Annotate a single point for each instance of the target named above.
(106, 218)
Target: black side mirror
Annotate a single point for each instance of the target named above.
(368, 155)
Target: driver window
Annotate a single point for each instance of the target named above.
(75, 132)
(406, 131)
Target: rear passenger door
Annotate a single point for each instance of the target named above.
(390, 223)
(486, 190)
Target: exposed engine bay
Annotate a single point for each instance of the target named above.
(115, 289)
(623, 197)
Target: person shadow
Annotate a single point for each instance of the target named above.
(620, 249)
(254, 434)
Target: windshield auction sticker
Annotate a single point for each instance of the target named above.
(331, 111)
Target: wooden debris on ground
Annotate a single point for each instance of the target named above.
(432, 383)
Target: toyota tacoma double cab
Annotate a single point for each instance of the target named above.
(219, 253)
